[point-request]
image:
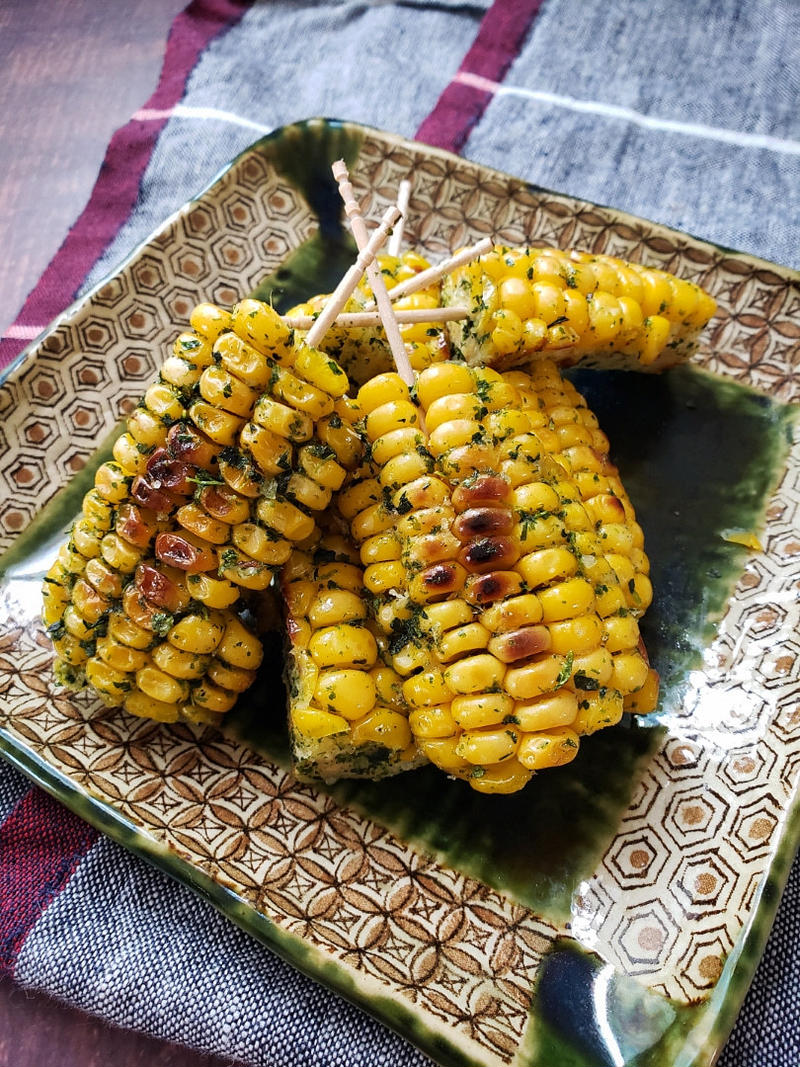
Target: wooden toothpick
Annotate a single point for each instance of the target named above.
(403, 197)
(341, 294)
(438, 270)
(353, 319)
(384, 304)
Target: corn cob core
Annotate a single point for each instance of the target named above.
(347, 716)
(509, 566)
(363, 352)
(221, 469)
(529, 303)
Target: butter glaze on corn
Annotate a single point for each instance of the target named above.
(508, 568)
(573, 307)
(221, 469)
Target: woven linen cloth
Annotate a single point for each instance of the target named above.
(684, 112)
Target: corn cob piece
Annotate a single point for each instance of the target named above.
(220, 470)
(573, 307)
(363, 351)
(347, 716)
(508, 565)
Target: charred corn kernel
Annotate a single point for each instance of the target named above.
(597, 710)
(212, 697)
(500, 778)
(194, 633)
(161, 686)
(481, 709)
(488, 745)
(343, 646)
(643, 700)
(312, 722)
(383, 726)
(551, 749)
(209, 320)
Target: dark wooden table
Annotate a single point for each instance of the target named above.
(72, 73)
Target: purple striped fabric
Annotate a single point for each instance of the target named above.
(461, 105)
(117, 185)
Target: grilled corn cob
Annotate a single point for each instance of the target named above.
(363, 352)
(573, 307)
(509, 568)
(220, 470)
(347, 716)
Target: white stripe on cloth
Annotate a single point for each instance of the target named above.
(651, 122)
(13, 787)
(184, 111)
(125, 942)
(24, 333)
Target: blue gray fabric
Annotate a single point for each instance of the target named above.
(684, 112)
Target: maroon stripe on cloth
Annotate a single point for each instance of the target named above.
(117, 186)
(502, 32)
(41, 844)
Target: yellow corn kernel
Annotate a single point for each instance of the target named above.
(186, 665)
(546, 712)
(630, 671)
(261, 326)
(343, 646)
(120, 657)
(209, 320)
(579, 634)
(213, 592)
(242, 360)
(620, 632)
(656, 334)
(598, 710)
(551, 749)
(475, 674)
(112, 483)
(285, 519)
(388, 686)
(75, 625)
(233, 679)
(241, 569)
(89, 604)
(379, 578)
(70, 560)
(350, 693)
(396, 414)
(380, 549)
(436, 721)
(545, 566)
(539, 532)
(56, 599)
(299, 394)
(500, 778)
(282, 420)
(212, 697)
(566, 600)
(197, 634)
(225, 391)
(308, 493)
(196, 520)
(221, 426)
(400, 470)
(470, 638)
(446, 379)
(70, 650)
(426, 689)
(441, 751)
(511, 614)
(129, 455)
(311, 722)
(126, 631)
(382, 726)
(318, 368)
(110, 685)
(324, 470)
(272, 454)
(157, 684)
(145, 428)
(97, 511)
(537, 677)
(641, 595)
(145, 707)
(180, 372)
(481, 709)
(86, 538)
(411, 658)
(342, 575)
(643, 700)
(256, 542)
(488, 745)
(193, 349)
(332, 606)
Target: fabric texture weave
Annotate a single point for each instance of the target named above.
(684, 112)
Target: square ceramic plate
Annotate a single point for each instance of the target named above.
(616, 908)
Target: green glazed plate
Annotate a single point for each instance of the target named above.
(612, 912)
